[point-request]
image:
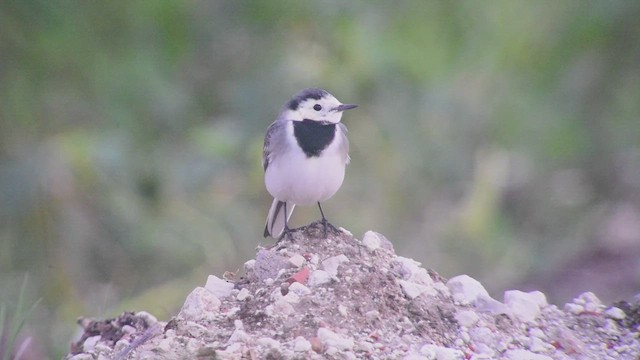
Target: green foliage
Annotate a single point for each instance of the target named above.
(9, 330)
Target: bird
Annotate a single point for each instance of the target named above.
(305, 154)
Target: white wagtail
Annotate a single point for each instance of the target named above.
(305, 153)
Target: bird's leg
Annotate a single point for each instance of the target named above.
(286, 231)
(324, 220)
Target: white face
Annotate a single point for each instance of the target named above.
(324, 109)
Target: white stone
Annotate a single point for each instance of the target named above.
(467, 318)
(121, 345)
(615, 313)
(410, 270)
(587, 298)
(299, 289)
(249, 265)
(82, 357)
(537, 345)
(575, 309)
(487, 304)
(279, 308)
(331, 339)
(218, 287)
(232, 352)
(465, 289)
(297, 260)
(90, 343)
(525, 306)
(331, 264)
(148, 318)
(301, 344)
(345, 231)
(342, 310)
(435, 352)
(243, 294)
(194, 329)
(482, 335)
(371, 241)
(291, 298)
(413, 290)
(520, 354)
(485, 351)
(414, 356)
(319, 277)
(537, 332)
(199, 304)
(128, 329)
(239, 335)
(372, 315)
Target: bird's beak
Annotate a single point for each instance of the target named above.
(343, 107)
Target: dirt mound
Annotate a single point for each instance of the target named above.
(342, 298)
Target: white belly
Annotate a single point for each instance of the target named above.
(296, 178)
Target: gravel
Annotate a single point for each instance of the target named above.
(342, 298)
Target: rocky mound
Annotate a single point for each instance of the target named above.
(344, 298)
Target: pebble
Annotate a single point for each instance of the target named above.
(331, 339)
(218, 287)
(465, 289)
(538, 346)
(82, 357)
(331, 264)
(413, 290)
(615, 313)
(147, 317)
(243, 294)
(467, 318)
(371, 241)
(525, 306)
(269, 343)
(590, 302)
(520, 354)
(441, 353)
(487, 304)
(199, 303)
(91, 342)
(279, 308)
(248, 266)
(575, 309)
(299, 289)
(297, 260)
(319, 277)
(410, 270)
(301, 344)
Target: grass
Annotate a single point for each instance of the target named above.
(10, 328)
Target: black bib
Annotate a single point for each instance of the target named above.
(313, 136)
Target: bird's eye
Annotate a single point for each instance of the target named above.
(317, 107)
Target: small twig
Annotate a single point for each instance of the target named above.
(151, 332)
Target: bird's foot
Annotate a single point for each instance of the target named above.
(327, 225)
(286, 234)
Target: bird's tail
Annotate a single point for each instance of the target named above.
(276, 218)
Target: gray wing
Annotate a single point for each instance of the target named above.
(344, 144)
(274, 142)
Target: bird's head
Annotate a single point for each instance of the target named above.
(314, 104)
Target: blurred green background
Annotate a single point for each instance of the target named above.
(499, 139)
